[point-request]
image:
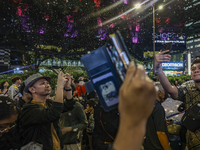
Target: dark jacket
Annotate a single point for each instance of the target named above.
(35, 123)
(73, 116)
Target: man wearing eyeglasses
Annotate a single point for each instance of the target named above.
(187, 94)
(9, 137)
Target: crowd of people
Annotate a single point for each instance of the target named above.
(73, 119)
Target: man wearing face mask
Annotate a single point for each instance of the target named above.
(187, 94)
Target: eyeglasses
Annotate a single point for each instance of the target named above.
(7, 129)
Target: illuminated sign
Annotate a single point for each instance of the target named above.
(169, 37)
(173, 66)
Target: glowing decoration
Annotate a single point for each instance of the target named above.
(102, 34)
(137, 28)
(97, 3)
(99, 22)
(41, 31)
(19, 11)
(135, 39)
(137, 5)
(112, 25)
(46, 17)
(125, 1)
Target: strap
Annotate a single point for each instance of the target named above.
(104, 128)
(15, 95)
(81, 91)
(174, 114)
(6, 92)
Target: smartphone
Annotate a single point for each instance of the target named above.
(167, 46)
(106, 68)
(118, 54)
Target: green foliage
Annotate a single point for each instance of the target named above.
(172, 78)
(76, 72)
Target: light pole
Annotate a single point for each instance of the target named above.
(154, 27)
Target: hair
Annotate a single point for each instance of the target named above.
(8, 107)
(76, 81)
(14, 79)
(85, 79)
(159, 86)
(1, 86)
(91, 103)
(197, 60)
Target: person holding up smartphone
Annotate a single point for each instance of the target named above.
(187, 94)
(136, 102)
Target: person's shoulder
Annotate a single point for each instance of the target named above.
(158, 106)
(188, 84)
(29, 106)
(78, 106)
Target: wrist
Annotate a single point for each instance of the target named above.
(159, 70)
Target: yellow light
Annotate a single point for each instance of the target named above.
(137, 5)
(160, 7)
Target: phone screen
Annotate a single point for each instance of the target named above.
(118, 57)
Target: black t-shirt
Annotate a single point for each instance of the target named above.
(156, 122)
(105, 120)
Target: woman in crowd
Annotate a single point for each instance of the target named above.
(4, 88)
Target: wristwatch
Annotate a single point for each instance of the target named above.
(67, 89)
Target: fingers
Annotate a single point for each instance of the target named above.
(163, 52)
(140, 73)
(130, 72)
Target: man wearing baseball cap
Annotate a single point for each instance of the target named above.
(39, 118)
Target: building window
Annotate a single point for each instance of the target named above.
(190, 41)
(197, 40)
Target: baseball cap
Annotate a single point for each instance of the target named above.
(32, 79)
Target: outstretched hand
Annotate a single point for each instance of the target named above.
(162, 57)
(62, 79)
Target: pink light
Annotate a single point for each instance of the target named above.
(137, 28)
(161, 30)
(112, 25)
(70, 18)
(99, 21)
(125, 1)
(66, 34)
(41, 31)
(19, 11)
(135, 39)
(169, 7)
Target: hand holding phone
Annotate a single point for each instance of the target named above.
(167, 46)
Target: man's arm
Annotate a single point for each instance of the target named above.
(82, 122)
(160, 58)
(65, 130)
(60, 86)
(163, 140)
(133, 121)
(35, 114)
(68, 88)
